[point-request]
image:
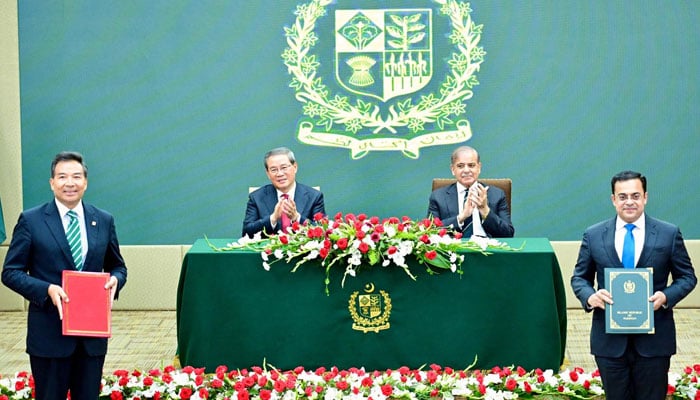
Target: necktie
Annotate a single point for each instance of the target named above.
(477, 228)
(628, 248)
(286, 222)
(74, 241)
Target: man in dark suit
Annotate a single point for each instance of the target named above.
(284, 201)
(38, 254)
(457, 204)
(633, 366)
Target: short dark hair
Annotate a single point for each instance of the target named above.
(626, 176)
(277, 151)
(68, 156)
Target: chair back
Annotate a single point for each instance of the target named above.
(504, 184)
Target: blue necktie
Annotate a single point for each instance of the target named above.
(74, 241)
(628, 248)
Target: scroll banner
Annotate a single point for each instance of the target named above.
(360, 147)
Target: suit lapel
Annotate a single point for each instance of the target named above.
(93, 228)
(270, 198)
(650, 236)
(53, 222)
(301, 199)
(609, 243)
(452, 199)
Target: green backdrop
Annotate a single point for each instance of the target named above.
(174, 103)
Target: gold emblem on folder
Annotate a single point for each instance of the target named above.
(629, 286)
(370, 311)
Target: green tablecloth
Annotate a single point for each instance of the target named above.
(508, 308)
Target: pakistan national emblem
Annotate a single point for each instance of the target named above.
(370, 311)
(384, 63)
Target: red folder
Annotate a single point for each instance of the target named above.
(88, 311)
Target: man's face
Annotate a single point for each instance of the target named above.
(68, 183)
(629, 199)
(466, 167)
(281, 171)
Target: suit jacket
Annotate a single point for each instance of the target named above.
(37, 256)
(444, 204)
(262, 202)
(664, 251)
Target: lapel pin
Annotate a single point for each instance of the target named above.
(93, 223)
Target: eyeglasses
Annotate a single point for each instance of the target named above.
(624, 196)
(283, 169)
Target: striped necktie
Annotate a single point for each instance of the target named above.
(74, 241)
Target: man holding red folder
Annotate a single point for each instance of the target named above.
(63, 234)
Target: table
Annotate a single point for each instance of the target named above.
(508, 308)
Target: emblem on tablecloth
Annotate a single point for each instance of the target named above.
(370, 311)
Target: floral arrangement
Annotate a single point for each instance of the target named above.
(436, 382)
(355, 241)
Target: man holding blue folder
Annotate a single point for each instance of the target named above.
(633, 366)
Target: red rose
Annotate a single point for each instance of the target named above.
(342, 243)
(387, 390)
(217, 383)
(364, 248)
(323, 252)
(148, 381)
(185, 393)
(19, 385)
(279, 386)
(360, 234)
(115, 395)
(374, 220)
(342, 385)
(362, 217)
(511, 384)
(392, 250)
(458, 235)
(434, 393)
(528, 388)
(188, 370)
(432, 376)
(243, 395)
(367, 381)
(430, 255)
(318, 216)
(670, 390)
(573, 376)
(203, 393)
